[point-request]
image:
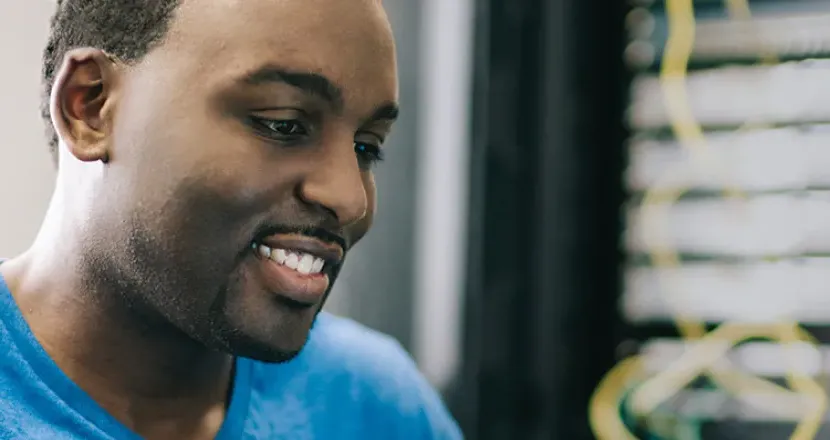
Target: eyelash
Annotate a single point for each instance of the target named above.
(368, 154)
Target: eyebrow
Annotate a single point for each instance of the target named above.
(308, 82)
(387, 112)
(315, 84)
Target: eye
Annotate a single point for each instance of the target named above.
(367, 154)
(280, 128)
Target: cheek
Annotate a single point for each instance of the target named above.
(200, 171)
(194, 207)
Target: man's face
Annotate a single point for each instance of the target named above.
(240, 163)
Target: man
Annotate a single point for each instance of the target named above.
(214, 168)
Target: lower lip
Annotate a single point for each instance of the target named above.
(305, 289)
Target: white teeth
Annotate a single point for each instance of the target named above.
(301, 262)
(305, 264)
(292, 261)
(265, 251)
(281, 256)
(317, 267)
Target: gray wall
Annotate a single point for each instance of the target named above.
(26, 174)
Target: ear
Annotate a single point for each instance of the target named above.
(83, 103)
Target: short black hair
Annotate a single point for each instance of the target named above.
(127, 29)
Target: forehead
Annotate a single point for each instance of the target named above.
(212, 42)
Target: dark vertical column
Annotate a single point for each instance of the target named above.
(577, 219)
(544, 258)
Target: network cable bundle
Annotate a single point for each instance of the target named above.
(727, 224)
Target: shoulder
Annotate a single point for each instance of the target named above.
(376, 376)
(369, 355)
(389, 378)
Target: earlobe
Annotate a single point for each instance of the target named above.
(82, 103)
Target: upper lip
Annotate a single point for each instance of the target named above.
(331, 253)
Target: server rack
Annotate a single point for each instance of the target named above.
(761, 258)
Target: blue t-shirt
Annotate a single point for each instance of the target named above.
(349, 382)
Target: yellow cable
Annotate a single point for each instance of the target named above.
(605, 403)
(604, 407)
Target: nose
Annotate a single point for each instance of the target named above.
(335, 184)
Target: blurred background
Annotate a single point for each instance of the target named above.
(598, 219)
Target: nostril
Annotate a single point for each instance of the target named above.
(331, 212)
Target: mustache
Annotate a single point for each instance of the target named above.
(313, 231)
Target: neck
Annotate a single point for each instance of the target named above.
(146, 375)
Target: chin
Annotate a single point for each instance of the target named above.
(266, 355)
(263, 351)
(255, 324)
(270, 343)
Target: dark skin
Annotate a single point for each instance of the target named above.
(253, 116)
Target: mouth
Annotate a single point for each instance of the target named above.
(296, 268)
(302, 262)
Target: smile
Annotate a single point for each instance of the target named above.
(302, 262)
(296, 268)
